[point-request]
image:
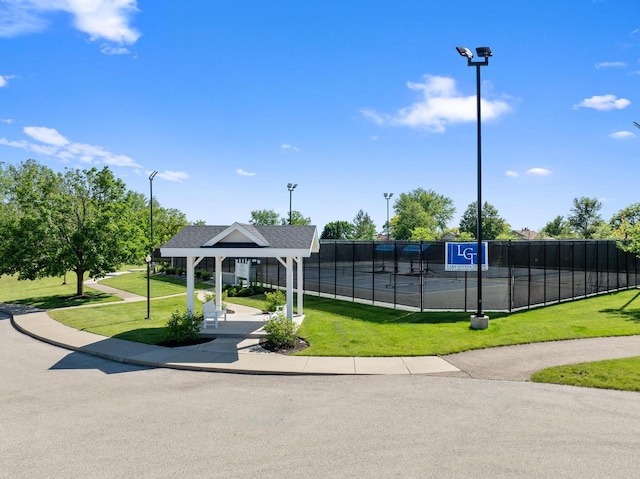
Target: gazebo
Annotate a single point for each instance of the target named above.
(288, 244)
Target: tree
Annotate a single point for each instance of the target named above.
(363, 227)
(630, 215)
(493, 225)
(78, 221)
(584, 217)
(297, 219)
(264, 218)
(337, 230)
(556, 228)
(421, 209)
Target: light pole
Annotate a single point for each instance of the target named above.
(479, 320)
(149, 257)
(637, 124)
(387, 196)
(291, 187)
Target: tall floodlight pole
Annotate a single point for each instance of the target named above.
(387, 196)
(479, 320)
(149, 257)
(291, 187)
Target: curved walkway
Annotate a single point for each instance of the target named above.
(240, 355)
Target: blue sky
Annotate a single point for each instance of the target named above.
(231, 100)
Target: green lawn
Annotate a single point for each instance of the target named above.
(623, 374)
(339, 328)
(160, 285)
(125, 320)
(48, 293)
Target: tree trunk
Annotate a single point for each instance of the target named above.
(80, 282)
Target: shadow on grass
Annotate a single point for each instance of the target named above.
(632, 314)
(153, 336)
(55, 301)
(376, 314)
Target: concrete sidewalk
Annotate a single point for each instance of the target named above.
(226, 354)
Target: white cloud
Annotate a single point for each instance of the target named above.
(512, 174)
(4, 79)
(177, 176)
(105, 19)
(439, 106)
(538, 172)
(109, 50)
(611, 65)
(241, 172)
(603, 103)
(621, 135)
(50, 136)
(6, 120)
(53, 143)
(287, 147)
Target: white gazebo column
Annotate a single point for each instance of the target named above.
(190, 284)
(289, 287)
(300, 284)
(219, 260)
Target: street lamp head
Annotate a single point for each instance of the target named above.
(388, 195)
(465, 52)
(637, 124)
(484, 52)
(291, 186)
(153, 175)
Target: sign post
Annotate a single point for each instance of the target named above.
(464, 257)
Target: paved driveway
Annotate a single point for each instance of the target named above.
(65, 414)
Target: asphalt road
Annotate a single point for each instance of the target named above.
(65, 414)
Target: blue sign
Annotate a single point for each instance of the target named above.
(464, 257)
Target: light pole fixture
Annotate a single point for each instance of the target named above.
(291, 187)
(479, 320)
(637, 124)
(149, 257)
(387, 196)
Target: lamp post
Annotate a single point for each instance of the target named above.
(291, 187)
(479, 320)
(149, 257)
(387, 196)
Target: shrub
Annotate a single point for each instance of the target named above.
(281, 332)
(274, 298)
(205, 275)
(184, 326)
(170, 270)
(212, 297)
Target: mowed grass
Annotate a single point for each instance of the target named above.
(622, 374)
(125, 320)
(160, 285)
(48, 293)
(339, 328)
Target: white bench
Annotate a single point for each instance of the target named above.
(279, 309)
(211, 314)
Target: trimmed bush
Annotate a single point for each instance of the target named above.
(184, 326)
(281, 332)
(274, 299)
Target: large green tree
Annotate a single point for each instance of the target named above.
(363, 227)
(493, 225)
(584, 217)
(556, 228)
(264, 218)
(79, 221)
(296, 219)
(424, 209)
(338, 230)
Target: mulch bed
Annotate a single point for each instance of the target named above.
(300, 345)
